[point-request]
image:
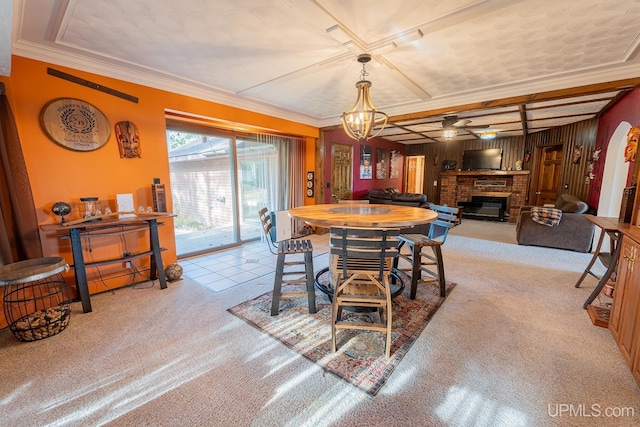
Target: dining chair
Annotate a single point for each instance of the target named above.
(290, 252)
(430, 260)
(362, 260)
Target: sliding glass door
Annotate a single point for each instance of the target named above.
(220, 180)
(256, 163)
(203, 191)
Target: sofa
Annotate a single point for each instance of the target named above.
(574, 232)
(393, 196)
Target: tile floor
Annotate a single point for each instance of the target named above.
(230, 267)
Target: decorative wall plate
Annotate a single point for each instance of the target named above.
(75, 124)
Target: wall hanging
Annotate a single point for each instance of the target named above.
(128, 140)
(632, 144)
(75, 124)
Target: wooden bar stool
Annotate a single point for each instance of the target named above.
(288, 248)
(292, 249)
(423, 261)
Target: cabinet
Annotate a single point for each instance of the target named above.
(624, 323)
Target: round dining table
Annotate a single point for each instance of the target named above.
(362, 215)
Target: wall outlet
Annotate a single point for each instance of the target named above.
(127, 264)
(435, 183)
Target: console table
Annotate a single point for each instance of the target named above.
(111, 227)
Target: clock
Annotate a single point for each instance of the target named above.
(75, 124)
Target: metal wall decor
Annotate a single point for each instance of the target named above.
(75, 124)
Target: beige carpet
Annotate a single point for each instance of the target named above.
(510, 347)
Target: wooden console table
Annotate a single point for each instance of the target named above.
(105, 228)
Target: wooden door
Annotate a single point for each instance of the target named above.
(549, 170)
(414, 175)
(341, 172)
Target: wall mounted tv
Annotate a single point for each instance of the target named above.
(486, 159)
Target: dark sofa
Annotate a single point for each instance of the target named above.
(392, 196)
(574, 232)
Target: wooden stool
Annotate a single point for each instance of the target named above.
(294, 248)
(420, 261)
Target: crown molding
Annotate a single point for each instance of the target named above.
(155, 80)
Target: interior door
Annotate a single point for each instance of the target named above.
(549, 170)
(341, 172)
(415, 174)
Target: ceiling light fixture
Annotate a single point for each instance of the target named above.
(449, 133)
(363, 117)
(488, 134)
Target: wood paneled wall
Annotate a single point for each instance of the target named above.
(514, 148)
(573, 178)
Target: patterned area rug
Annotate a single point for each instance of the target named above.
(360, 357)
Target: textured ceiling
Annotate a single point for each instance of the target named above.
(296, 59)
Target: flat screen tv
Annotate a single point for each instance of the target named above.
(486, 159)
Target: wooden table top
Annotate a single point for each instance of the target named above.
(607, 223)
(106, 221)
(361, 215)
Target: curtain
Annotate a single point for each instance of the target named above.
(19, 235)
(286, 174)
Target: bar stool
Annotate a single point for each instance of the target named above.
(293, 248)
(423, 261)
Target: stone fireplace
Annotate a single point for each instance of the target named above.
(506, 188)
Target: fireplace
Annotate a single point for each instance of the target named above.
(459, 187)
(492, 206)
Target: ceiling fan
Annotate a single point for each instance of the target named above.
(451, 125)
(454, 122)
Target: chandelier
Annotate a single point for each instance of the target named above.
(363, 117)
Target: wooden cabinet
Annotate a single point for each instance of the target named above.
(624, 322)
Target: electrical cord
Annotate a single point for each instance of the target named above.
(90, 249)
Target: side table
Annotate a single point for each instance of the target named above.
(612, 228)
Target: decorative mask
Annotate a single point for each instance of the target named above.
(577, 154)
(632, 144)
(128, 140)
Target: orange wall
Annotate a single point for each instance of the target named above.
(59, 174)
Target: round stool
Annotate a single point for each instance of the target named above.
(36, 297)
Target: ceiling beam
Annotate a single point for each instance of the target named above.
(523, 99)
(413, 132)
(523, 119)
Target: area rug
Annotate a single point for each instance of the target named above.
(360, 357)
